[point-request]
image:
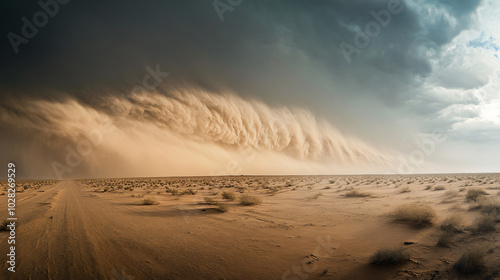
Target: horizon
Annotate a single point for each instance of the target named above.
(257, 175)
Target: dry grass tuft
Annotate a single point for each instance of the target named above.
(445, 238)
(229, 196)
(485, 224)
(405, 190)
(222, 207)
(188, 192)
(210, 200)
(474, 193)
(356, 193)
(451, 193)
(389, 256)
(415, 214)
(453, 223)
(247, 200)
(149, 201)
(471, 262)
(490, 207)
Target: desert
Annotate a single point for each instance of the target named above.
(260, 227)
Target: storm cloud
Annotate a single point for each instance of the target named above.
(432, 66)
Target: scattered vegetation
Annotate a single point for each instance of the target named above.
(405, 190)
(247, 200)
(471, 262)
(453, 223)
(222, 207)
(188, 192)
(356, 193)
(474, 193)
(389, 256)
(484, 224)
(149, 201)
(415, 214)
(490, 207)
(228, 195)
(210, 200)
(451, 193)
(445, 238)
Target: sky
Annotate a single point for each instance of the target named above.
(230, 87)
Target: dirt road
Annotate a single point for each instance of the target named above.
(66, 234)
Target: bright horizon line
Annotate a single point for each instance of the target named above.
(274, 175)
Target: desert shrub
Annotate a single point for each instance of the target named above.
(415, 214)
(273, 190)
(490, 207)
(485, 224)
(405, 190)
(451, 193)
(474, 193)
(210, 200)
(356, 193)
(428, 187)
(174, 192)
(228, 195)
(452, 223)
(445, 238)
(189, 192)
(222, 207)
(470, 262)
(149, 201)
(246, 199)
(389, 256)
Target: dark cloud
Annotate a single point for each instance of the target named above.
(100, 46)
(283, 52)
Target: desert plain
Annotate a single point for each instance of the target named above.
(443, 226)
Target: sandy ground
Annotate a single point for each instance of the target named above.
(305, 228)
